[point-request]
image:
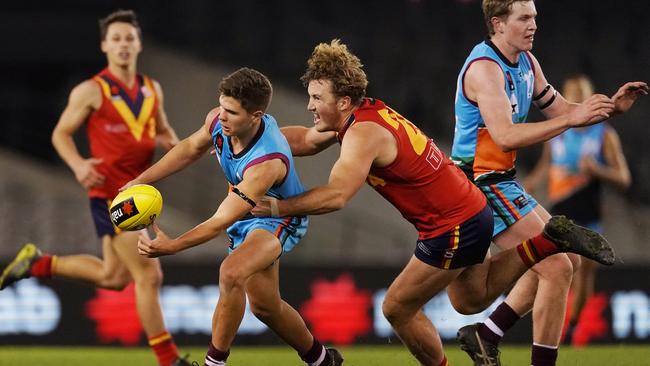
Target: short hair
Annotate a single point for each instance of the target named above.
(250, 87)
(121, 16)
(334, 62)
(497, 8)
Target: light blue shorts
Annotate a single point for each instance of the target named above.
(289, 230)
(509, 202)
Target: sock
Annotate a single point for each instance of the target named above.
(535, 249)
(42, 267)
(499, 322)
(444, 361)
(216, 357)
(316, 355)
(543, 355)
(164, 347)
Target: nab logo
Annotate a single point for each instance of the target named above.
(123, 211)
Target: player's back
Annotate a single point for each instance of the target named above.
(422, 183)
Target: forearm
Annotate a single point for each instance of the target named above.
(611, 175)
(201, 233)
(179, 157)
(317, 201)
(520, 135)
(66, 148)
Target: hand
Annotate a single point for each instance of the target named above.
(131, 183)
(161, 245)
(588, 165)
(166, 141)
(267, 206)
(594, 109)
(86, 174)
(627, 94)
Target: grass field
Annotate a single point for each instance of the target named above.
(281, 356)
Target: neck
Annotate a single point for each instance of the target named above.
(346, 117)
(241, 141)
(510, 52)
(125, 74)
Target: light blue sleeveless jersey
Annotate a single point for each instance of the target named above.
(269, 143)
(473, 149)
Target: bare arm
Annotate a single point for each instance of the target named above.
(257, 181)
(360, 148)
(540, 172)
(180, 156)
(84, 99)
(165, 134)
(484, 84)
(615, 171)
(307, 141)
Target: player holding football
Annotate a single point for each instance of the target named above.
(257, 161)
(451, 215)
(125, 118)
(496, 87)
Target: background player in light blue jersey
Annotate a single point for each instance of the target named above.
(575, 163)
(496, 86)
(257, 161)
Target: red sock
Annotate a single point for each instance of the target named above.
(535, 249)
(444, 361)
(42, 267)
(164, 347)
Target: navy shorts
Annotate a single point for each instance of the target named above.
(101, 218)
(465, 245)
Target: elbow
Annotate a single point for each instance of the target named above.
(626, 182)
(337, 202)
(505, 144)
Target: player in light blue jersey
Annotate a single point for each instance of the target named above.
(256, 160)
(496, 86)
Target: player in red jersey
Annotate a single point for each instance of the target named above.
(381, 147)
(124, 115)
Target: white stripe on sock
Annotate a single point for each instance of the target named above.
(320, 358)
(544, 346)
(493, 327)
(212, 362)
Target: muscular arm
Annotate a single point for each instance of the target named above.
(362, 145)
(181, 155)
(257, 181)
(484, 84)
(165, 134)
(84, 99)
(307, 141)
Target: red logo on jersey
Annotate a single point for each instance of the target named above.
(338, 311)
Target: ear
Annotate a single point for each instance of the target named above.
(258, 114)
(103, 46)
(497, 24)
(344, 103)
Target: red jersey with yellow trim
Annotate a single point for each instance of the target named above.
(422, 183)
(122, 131)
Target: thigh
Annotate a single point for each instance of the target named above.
(112, 264)
(125, 244)
(528, 226)
(263, 287)
(259, 250)
(418, 283)
(287, 230)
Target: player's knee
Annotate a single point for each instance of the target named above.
(467, 307)
(262, 311)
(229, 278)
(576, 262)
(152, 277)
(393, 311)
(556, 268)
(114, 282)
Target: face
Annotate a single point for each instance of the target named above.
(324, 105)
(519, 27)
(235, 120)
(577, 90)
(122, 44)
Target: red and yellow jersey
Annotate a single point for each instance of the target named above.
(422, 183)
(122, 131)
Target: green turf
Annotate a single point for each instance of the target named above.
(366, 356)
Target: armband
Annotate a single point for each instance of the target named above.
(243, 196)
(550, 101)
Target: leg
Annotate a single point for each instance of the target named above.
(416, 285)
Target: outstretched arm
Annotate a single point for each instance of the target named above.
(540, 171)
(307, 141)
(627, 94)
(615, 170)
(180, 156)
(165, 134)
(257, 181)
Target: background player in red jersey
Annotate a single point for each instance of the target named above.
(125, 119)
(405, 166)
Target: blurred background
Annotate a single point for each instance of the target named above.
(412, 51)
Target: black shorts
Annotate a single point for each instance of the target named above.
(465, 245)
(101, 217)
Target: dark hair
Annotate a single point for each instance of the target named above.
(250, 87)
(334, 62)
(122, 16)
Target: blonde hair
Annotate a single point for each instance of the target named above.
(334, 62)
(497, 8)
